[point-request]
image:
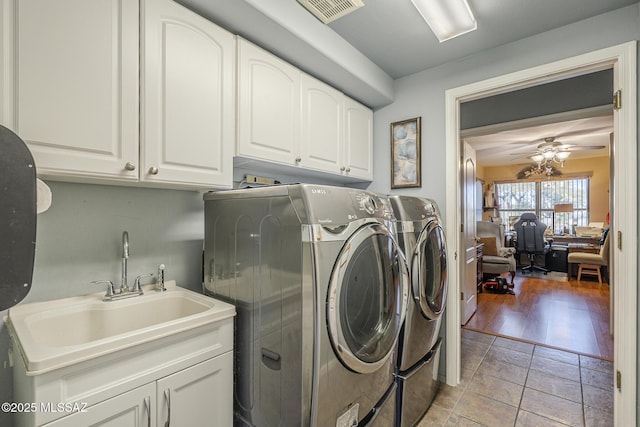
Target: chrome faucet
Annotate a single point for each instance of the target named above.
(124, 292)
(125, 259)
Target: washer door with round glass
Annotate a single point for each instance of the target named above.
(367, 299)
(429, 271)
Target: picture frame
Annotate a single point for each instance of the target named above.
(406, 166)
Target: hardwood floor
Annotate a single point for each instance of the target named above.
(572, 316)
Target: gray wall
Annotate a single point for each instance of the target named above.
(423, 94)
(79, 240)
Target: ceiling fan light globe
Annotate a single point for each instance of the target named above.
(538, 158)
(548, 155)
(563, 155)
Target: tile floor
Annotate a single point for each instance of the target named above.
(512, 383)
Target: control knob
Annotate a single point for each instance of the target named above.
(369, 204)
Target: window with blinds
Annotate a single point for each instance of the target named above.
(540, 197)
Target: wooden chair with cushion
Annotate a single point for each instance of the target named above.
(496, 258)
(590, 263)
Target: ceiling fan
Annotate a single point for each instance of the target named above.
(552, 151)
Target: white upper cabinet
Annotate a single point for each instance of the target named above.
(74, 86)
(322, 121)
(151, 93)
(288, 118)
(358, 147)
(268, 106)
(75, 89)
(188, 98)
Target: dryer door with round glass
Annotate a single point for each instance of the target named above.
(367, 298)
(429, 271)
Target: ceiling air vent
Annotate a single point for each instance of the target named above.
(330, 10)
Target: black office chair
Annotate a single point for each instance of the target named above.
(530, 235)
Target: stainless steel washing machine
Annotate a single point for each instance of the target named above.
(422, 240)
(321, 290)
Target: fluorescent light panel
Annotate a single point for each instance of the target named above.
(447, 18)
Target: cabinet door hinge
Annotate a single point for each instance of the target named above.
(617, 100)
(618, 380)
(619, 240)
(462, 228)
(461, 296)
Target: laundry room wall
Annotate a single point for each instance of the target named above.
(423, 94)
(79, 239)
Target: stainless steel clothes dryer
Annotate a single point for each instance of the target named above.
(320, 289)
(421, 238)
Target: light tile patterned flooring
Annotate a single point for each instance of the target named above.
(512, 383)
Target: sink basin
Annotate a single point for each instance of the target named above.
(58, 333)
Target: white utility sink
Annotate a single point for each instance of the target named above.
(53, 334)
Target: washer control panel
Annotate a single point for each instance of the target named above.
(336, 205)
(369, 204)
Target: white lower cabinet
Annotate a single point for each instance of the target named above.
(185, 378)
(197, 396)
(131, 409)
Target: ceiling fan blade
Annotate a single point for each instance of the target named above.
(586, 147)
(581, 132)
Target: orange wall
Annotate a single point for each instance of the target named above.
(596, 167)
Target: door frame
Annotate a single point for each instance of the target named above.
(622, 58)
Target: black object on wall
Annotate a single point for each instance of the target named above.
(17, 218)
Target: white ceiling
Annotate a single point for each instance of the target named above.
(513, 143)
(363, 52)
(393, 35)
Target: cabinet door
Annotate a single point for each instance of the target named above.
(269, 106)
(76, 85)
(359, 140)
(188, 130)
(322, 121)
(201, 395)
(134, 408)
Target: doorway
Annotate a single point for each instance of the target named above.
(554, 308)
(622, 59)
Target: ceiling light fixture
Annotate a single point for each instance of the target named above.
(447, 18)
(548, 152)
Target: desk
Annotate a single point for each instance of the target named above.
(584, 247)
(593, 241)
(573, 244)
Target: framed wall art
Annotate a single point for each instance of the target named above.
(405, 154)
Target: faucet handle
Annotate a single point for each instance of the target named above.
(136, 283)
(110, 289)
